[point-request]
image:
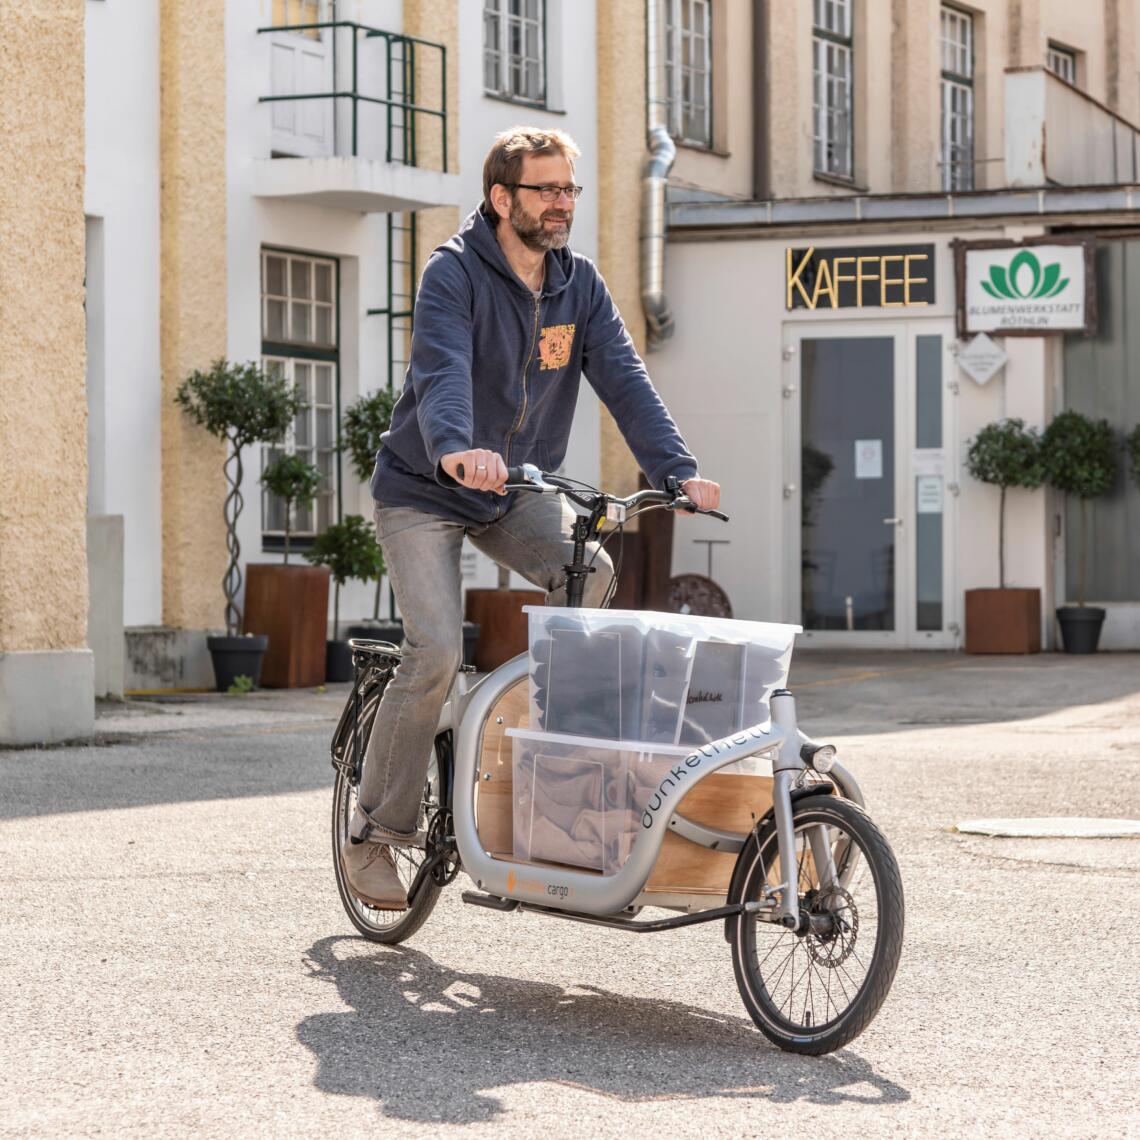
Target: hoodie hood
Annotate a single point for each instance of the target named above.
(478, 232)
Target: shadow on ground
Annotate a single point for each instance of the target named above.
(168, 768)
(430, 1044)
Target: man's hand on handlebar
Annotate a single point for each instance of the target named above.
(478, 469)
(703, 493)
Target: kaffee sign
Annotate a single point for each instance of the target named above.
(859, 277)
(1036, 287)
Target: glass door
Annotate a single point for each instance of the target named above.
(865, 484)
(846, 486)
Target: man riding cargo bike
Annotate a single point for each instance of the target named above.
(507, 321)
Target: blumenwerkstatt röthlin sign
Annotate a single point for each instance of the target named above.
(1025, 289)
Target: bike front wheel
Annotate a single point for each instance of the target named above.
(389, 926)
(815, 989)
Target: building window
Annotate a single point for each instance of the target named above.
(514, 49)
(1062, 62)
(296, 13)
(957, 100)
(299, 342)
(688, 69)
(832, 120)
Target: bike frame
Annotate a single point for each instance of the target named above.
(591, 894)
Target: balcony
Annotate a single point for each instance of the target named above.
(1056, 135)
(348, 127)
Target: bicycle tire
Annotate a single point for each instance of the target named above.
(769, 991)
(387, 926)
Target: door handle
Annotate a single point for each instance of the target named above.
(893, 522)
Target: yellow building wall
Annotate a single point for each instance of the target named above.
(438, 21)
(43, 407)
(727, 167)
(193, 305)
(897, 66)
(621, 151)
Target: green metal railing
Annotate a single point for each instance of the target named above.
(402, 110)
(401, 294)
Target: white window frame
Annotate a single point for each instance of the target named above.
(833, 119)
(514, 74)
(957, 49)
(688, 71)
(296, 305)
(283, 355)
(1062, 62)
(308, 522)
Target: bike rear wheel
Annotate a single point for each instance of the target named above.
(388, 926)
(814, 990)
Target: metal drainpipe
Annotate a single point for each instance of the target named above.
(654, 176)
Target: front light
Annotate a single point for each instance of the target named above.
(820, 756)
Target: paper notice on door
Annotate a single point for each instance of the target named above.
(929, 494)
(868, 459)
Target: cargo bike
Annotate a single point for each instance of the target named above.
(637, 760)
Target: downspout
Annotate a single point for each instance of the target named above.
(654, 176)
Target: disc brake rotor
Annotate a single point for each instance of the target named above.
(834, 947)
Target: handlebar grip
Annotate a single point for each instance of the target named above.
(514, 474)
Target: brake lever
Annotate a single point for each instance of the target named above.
(683, 503)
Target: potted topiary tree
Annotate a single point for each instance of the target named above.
(364, 422)
(1004, 620)
(293, 481)
(290, 603)
(350, 551)
(1080, 459)
(242, 405)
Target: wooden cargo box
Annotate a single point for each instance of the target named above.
(729, 802)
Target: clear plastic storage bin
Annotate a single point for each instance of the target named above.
(651, 677)
(579, 800)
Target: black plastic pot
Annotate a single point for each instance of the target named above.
(1080, 627)
(338, 662)
(237, 657)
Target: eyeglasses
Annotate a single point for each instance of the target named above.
(549, 193)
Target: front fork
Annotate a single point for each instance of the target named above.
(786, 767)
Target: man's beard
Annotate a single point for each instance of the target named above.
(532, 231)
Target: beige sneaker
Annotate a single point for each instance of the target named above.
(371, 874)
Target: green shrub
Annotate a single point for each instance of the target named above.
(1132, 446)
(363, 423)
(1080, 459)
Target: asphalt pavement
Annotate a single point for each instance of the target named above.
(176, 961)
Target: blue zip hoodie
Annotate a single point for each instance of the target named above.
(495, 367)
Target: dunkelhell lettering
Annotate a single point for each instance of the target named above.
(703, 696)
(683, 769)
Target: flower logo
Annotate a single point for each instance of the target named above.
(1025, 280)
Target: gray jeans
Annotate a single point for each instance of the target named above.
(422, 555)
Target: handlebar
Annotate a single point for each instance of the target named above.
(530, 478)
